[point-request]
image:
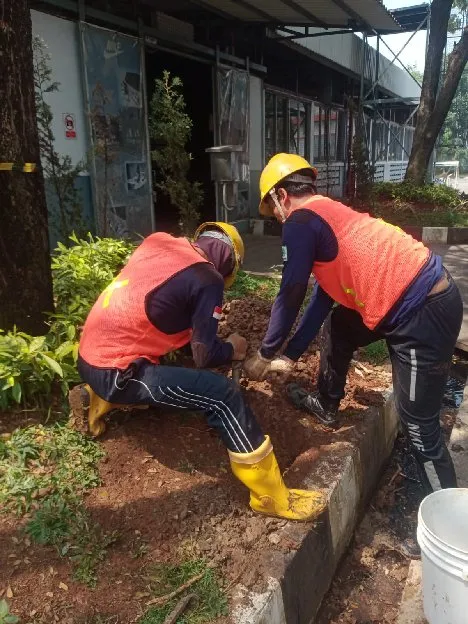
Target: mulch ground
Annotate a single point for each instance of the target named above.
(168, 491)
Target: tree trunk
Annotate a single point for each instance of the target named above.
(433, 107)
(25, 275)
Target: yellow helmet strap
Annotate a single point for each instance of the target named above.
(279, 207)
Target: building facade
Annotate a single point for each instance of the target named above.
(244, 85)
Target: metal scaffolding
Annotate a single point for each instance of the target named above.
(412, 19)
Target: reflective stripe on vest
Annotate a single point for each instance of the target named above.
(376, 261)
(117, 330)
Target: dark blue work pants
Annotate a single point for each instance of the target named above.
(144, 383)
(421, 350)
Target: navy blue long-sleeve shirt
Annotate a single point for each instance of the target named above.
(307, 239)
(192, 299)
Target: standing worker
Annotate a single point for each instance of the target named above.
(387, 285)
(170, 293)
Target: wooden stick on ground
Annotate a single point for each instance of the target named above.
(161, 600)
(179, 609)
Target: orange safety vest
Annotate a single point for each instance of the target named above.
(375, 264)
(117, 330)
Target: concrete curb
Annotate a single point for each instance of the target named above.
(442, 235)
(299, 580)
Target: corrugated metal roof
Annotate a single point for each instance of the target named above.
(325, 13)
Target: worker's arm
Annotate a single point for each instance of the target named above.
(298, 255)
(207, 349)
(193, 299)
(316, 312)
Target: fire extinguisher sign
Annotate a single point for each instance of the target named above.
(69, 125)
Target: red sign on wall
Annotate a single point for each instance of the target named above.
(69, 123)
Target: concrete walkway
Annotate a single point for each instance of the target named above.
(263, 255)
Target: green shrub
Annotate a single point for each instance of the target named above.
(82, 271)
(31, 367)
(403, 203)
(433, 194)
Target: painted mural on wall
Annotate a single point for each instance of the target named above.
(113, 71)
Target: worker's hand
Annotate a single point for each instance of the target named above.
(257, 367)
(240, 346)
(281, 366)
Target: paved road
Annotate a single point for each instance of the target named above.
(263, 255)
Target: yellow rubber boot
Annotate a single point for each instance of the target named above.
(83, 399)
(260, 472)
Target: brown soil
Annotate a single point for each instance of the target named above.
(167, 486)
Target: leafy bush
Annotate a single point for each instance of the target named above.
(31, 367)
(433, 194)
(171, 129)
(404, 203)
(82, 271)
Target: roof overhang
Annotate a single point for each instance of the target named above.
(365, 15)
(410, 18)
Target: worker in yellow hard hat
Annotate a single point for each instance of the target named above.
(170, 294)
(388, 286)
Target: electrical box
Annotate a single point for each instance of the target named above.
(225, 163)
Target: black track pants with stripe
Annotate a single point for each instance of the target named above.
(144, 383)
(421, 350)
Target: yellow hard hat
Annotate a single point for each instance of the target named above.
(279, 166)
(236, 241)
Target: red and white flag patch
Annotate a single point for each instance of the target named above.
(217, 313)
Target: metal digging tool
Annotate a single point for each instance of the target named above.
(237, 371)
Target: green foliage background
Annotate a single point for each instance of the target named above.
(33, 368)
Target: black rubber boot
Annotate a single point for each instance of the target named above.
(324, 410)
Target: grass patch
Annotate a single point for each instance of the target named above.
(43, 472)
(38, 461)
(210, 601)
(247, 285)
(66, 525)
(376, 352)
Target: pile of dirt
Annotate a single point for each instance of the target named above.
(168, 492)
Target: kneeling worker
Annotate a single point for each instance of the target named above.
(170, 293)
(387, 285)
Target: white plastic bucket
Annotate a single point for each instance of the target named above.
(443, 538)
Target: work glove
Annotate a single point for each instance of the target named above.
(257, 367)
(281, 366)
(239, 344)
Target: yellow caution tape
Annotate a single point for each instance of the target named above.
(26, 167)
